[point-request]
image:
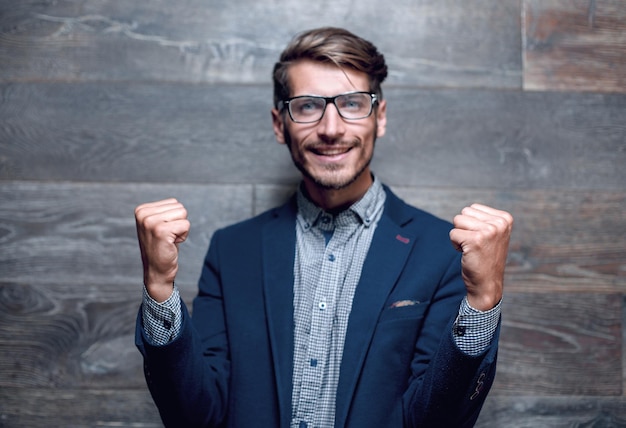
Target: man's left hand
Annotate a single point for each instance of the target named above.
(482, 234)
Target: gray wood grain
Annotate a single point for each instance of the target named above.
(546, 411)
(560, 344)
(63, 336)
(504, 140)
(575, 46)
(77, 408)
(81, 234)
(222, 134)
(427, 43)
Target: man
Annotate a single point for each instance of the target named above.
(344, 307)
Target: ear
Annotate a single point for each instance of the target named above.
(381, 118)
(279, 126)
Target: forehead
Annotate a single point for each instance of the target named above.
(315, 78)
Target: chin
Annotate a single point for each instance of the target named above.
(333, 184)
(333, 180)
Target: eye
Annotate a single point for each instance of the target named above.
(307, 105)
(355, 102)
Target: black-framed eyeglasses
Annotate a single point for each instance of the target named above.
(311, 108)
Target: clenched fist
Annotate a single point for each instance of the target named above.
(482, 234)
(161, 227)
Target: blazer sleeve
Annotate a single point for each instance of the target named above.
(448, 387)
(188, 378)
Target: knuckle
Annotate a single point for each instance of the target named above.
(505, 223)
(501, 223)
(489, 232)
(138, 211)
(509, 219)
(153, 224)
(160, 228)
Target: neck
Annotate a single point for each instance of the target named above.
(335, 200)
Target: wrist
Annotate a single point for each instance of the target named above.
(159, 292)
(483, 303)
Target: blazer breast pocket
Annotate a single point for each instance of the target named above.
(403, 309)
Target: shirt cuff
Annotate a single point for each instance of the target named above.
(473, 330)
(161, 321)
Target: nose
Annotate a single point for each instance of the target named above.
(331, 126)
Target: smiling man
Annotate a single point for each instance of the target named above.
(332, 148)
(345, 307)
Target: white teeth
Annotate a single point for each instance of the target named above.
(332, 152)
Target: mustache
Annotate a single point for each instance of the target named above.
(325, 144)
(335, 145)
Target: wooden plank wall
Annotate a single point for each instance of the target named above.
(106, 104)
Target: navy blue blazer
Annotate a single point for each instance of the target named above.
(231, 366)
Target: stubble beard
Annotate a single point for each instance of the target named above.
(335, 181)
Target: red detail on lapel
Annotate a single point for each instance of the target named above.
(402, 239)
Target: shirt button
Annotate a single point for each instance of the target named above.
(313, 362)
(322, 305)
(331, 257)
(325, 219)
(458, 330)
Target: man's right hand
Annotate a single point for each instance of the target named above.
(161, 227)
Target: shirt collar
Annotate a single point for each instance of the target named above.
(362, 211)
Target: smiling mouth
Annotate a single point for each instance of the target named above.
(330, 151)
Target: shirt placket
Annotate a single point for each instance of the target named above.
(322, 305)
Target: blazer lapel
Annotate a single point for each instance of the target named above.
(387, 256)
(278, 254)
